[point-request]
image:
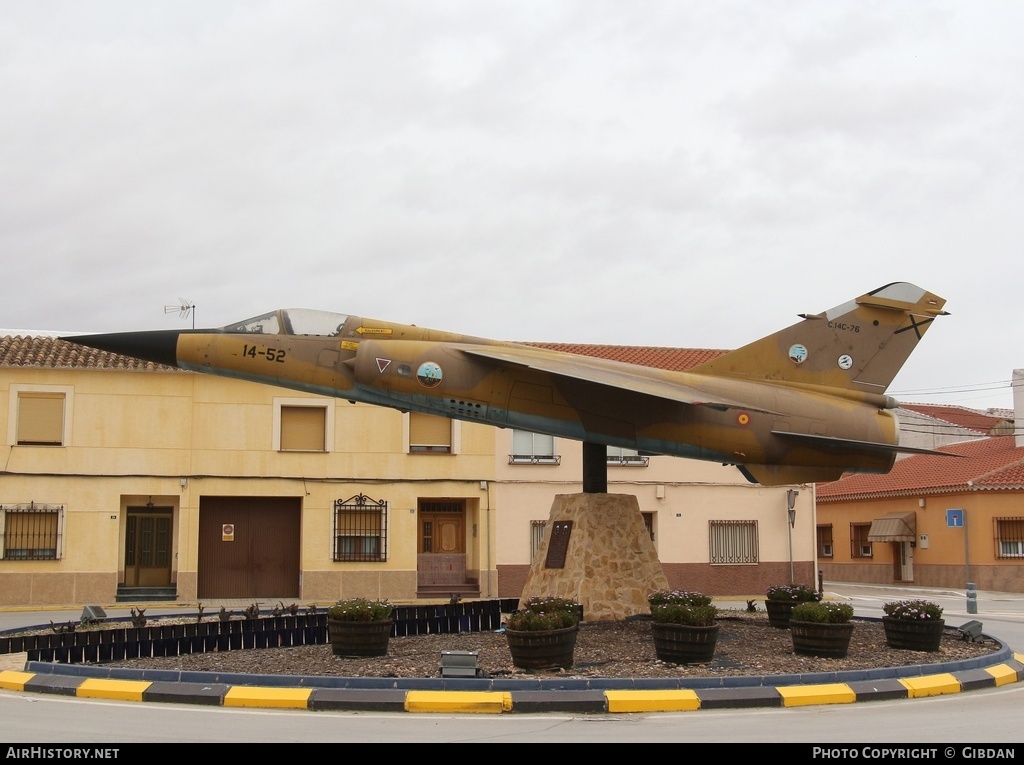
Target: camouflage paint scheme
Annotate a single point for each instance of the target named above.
(804, 404)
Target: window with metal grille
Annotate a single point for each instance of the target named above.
(860, 547)
(733, 542)
(1009, 537)
(532, 448)
(825, 541)
(361, 529)
(536, 537)
(429, 434)
(40, 419)
(32, 531)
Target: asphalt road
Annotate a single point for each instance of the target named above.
(977, 718)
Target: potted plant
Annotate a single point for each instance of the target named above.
(683, 625)
(360, 627)
(779, 600)
(914, 625)
(541, 634)
(821, 629)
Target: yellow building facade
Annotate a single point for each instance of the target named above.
(125, 481)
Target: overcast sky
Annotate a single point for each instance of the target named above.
(674, 173)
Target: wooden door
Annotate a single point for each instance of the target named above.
(442, 542)
(147, 547)
(443, 533)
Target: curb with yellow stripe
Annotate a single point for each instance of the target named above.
(787, 692)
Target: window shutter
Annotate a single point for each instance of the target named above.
(303, 428)
(430, 430)
(41, 419)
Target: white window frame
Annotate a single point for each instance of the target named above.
(620, 456)
(1011, 549)
(14, 406)
(522, 456)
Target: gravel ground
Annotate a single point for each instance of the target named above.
(747, 645)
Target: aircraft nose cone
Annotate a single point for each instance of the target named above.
(158, 346)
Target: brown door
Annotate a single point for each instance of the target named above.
(443, 533)
(147, 547)
(442, 542)
(249, 547)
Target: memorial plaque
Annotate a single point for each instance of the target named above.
(559, 544)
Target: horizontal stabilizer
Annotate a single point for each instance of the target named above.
(848, 443)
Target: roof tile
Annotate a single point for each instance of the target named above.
(972, 419)
(988, 463)
(43, 351)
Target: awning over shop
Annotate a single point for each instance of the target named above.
(894, 527)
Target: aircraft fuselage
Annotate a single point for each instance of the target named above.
(369, 364)
(806, 403)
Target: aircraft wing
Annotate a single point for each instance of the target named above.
(615, 374)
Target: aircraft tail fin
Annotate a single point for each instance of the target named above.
(857, 346)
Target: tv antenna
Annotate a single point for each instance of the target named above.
(184, 309)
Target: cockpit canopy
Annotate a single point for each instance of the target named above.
(292, 321)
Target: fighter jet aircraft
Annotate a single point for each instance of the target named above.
(804, 404)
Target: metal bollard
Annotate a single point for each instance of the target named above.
(972, 598)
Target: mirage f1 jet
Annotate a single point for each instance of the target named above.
(805, 404)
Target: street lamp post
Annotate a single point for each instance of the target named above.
(791, 495)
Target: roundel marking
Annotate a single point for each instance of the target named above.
(798, 353)
(845, 361)
(743, 418)
(429, 374)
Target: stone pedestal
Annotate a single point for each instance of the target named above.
(605, 559)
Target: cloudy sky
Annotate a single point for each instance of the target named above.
(677, 173)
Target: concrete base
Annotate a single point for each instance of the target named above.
(610, 562)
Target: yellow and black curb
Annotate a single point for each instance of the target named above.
(496, 696)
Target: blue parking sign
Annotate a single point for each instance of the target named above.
(954, 518)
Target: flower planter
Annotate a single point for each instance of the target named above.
(683, 644)
(830, 641)
(542, 649)
(913, 635)
(779, 612)
(359, 639)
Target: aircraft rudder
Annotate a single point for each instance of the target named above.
(859, 345)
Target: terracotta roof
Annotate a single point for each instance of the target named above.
(986, 464)
(972, 419)
(674, 359)
(44, 351)
(41, 351)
